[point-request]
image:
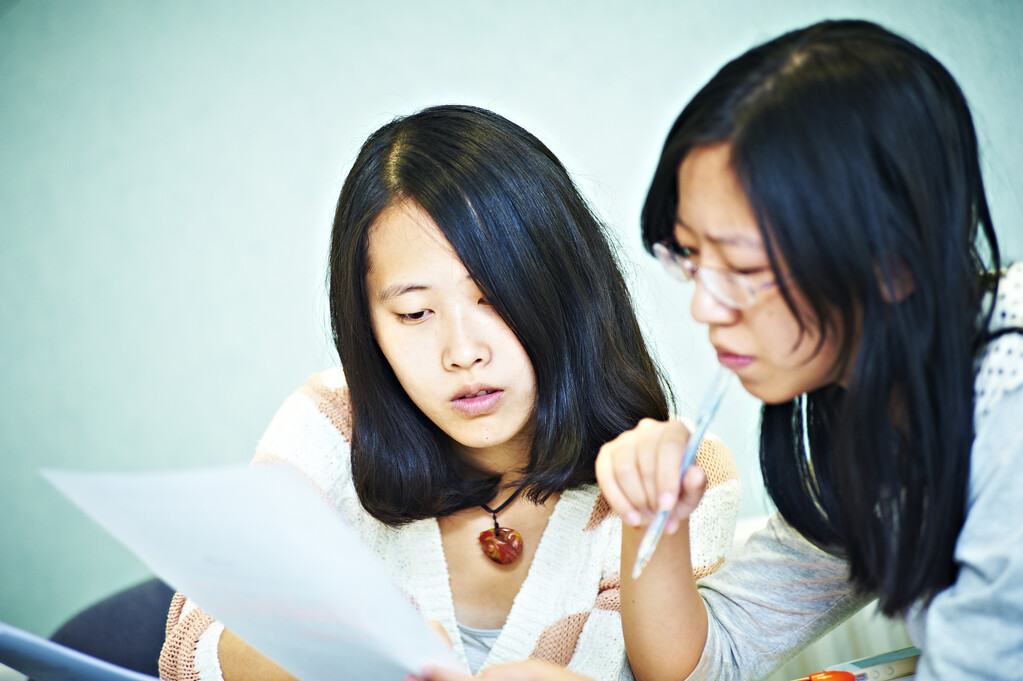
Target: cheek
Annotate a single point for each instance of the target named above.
(777, 332)
(515, 362)
(802, 360)
(529, 381)
(412, 379)
(401, 355)
(518, 355)
(829, 362)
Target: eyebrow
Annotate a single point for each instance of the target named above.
(395, 290)
(726, 239)
(400, 289)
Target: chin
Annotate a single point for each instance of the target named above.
(775, 400)
(474, 442)
(769, 394)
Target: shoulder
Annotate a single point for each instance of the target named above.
(999, 394)
(996, 453)
(716, 460)
(1000, 362)
(320, 409)
(712, 524)
(713, 456)
(328, 392)
(311, 431)
(968, 621)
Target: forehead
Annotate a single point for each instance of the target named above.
(404, 243)
(711, 201)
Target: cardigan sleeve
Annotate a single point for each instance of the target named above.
(712, 524)
(310, 432)
(190, 649)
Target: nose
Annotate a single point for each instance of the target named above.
(706, 309)
(466, 341)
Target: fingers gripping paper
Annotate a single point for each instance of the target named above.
(262, 552)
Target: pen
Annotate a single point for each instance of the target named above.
(708, 406)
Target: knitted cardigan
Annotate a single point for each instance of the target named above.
(567, 610)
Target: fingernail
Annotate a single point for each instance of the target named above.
(666, 501)
(672, 525)
(633, 518)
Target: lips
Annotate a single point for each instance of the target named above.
(481, 393)
(732, 360)
(477, 399)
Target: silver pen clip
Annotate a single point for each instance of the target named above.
(709, 405)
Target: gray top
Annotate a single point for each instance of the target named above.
(477, 643)
(780, 593)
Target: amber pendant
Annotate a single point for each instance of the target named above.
(503, 546)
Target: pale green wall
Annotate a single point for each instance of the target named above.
(168, 175)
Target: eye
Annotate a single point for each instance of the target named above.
(680, 251)
(413, 317)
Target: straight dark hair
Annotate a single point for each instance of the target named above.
(857, 152)
(540, 256)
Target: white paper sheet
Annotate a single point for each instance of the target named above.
(259, 549)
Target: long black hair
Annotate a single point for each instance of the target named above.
(540, 256)
(857, 152)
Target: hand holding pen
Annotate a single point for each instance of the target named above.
(708, 407)
(628, 467)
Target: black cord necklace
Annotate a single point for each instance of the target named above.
(502, 544)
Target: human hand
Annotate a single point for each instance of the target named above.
(638, 473)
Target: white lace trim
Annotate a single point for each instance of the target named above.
(207, 661)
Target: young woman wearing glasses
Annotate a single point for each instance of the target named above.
(824, 193)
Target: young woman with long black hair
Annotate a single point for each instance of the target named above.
(824, 193)
(488, 349)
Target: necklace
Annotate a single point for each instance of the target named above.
(502, 544)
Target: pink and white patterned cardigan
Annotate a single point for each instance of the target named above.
(567, 610)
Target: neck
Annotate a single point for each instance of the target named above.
(506, 461)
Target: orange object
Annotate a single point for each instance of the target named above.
(832, 676)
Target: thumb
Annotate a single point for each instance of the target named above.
(694, 484)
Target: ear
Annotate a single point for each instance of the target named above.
(895, 280)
